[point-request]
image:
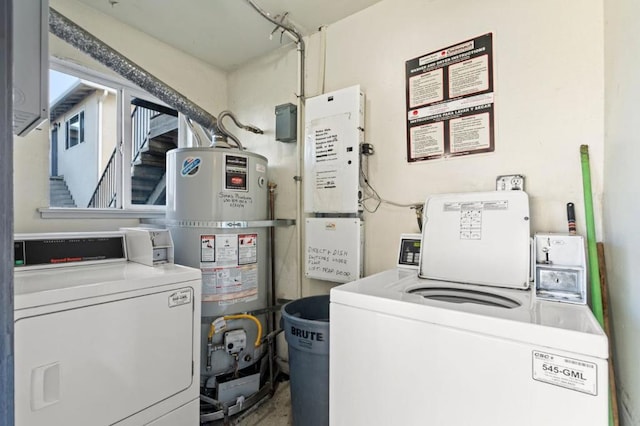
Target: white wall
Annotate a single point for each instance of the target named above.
(200, 82)
(549, 90)
(621, 203)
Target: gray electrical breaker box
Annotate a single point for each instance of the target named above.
(286, 122)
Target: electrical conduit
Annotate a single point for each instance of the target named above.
(295, 35)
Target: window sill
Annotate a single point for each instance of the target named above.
(77, 213)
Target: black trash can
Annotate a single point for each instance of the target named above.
(306, 325)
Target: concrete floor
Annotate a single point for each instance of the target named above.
(273, 412)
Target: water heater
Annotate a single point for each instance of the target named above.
(214, 195)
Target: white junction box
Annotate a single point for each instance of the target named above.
(560, 268)
(333, 249)
(334, 130)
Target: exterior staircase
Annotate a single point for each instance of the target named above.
(154, 132)
(148, 169)
(59, 194)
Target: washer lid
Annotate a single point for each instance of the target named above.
(477, 238)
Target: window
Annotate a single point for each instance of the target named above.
(115, 143)
(75, 130)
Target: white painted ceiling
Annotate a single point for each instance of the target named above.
(225, 33)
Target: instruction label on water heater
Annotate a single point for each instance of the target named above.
(228, 263)
(230, 285)
(570, 373)
(207, 248)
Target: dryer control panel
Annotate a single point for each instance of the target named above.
(45, 250)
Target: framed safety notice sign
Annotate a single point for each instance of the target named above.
(450, 101)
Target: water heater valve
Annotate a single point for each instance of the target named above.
(235, 341)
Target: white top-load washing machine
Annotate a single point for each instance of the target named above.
(100, 340)
(463, 341)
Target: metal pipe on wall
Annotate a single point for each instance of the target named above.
(298, 39)
(81, 39)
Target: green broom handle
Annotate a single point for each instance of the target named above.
(592, 251)
(594, 269)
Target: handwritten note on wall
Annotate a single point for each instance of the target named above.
(332, 251)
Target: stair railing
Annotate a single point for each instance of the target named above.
(105, 195)
(140, 125)
(141, 117)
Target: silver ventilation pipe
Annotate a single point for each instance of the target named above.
(79, 38)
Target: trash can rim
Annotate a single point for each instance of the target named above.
(293, 318)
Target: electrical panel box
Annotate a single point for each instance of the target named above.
(30, 64)
(334, 249)
(286, 122)
(334, 130)
(560, 268)
(149, 246)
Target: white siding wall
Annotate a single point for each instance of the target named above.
(79, 164)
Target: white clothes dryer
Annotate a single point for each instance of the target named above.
(463, 341)
(100, 340)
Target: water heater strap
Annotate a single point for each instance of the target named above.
(230, 224)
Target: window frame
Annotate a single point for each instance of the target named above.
(125, 91)
(67, 126)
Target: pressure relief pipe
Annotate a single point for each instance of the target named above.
(592, 251)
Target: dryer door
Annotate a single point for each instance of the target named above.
(98, 364)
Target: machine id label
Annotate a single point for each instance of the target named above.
(180, 297)
(570, 373)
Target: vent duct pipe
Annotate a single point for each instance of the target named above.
(86, 42)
